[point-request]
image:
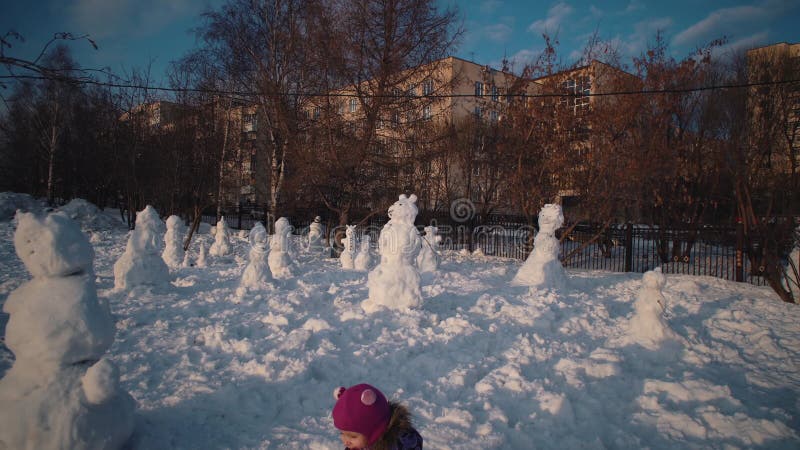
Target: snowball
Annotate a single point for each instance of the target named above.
(101, 382)
(58, 321)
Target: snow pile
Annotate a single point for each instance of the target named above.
(395, 282)
(346, 259)
(363, 258)
(173, 242)
(428, 258)
(10, 202)
(257, 273)
(316, 235)
(222, 240)
(89, 216)
(648, 327)
(141, 264)
(61, 392)
(280, 246)
(542, 269)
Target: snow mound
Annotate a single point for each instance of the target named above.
(89, 216)
(10, 202)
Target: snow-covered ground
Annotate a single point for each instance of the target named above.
(481, 364)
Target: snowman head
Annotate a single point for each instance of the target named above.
(258, 236)
(550, 218)
(404, 210)
(53, 246)
(654, 279)
(174, 222)
(282, 226)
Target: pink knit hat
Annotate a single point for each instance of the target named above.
(362, 409)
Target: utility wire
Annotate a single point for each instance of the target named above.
(89, 81)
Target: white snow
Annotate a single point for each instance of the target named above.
(395, 282)
(480, 363)
(542, 269)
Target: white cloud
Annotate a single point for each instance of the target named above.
(734, 21)
(107, 18)
(633, 6)
(498, 32)
(490, 6)
(738, 46)
(555, 15)
(718, 23)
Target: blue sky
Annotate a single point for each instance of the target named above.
(135, 33)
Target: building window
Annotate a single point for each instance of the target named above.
(412, 92)
(427, 87)
(495, 94)
(317, 112)
(341, 108)
(578, 91)
(477, 112)
(249, 122)
(478, 89)
(426, 112)
(493, 116)
(396, 118)
(353, 105)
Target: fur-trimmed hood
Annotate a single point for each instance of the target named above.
(401, 433)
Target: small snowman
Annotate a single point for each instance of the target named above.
(142, 264)
(280, 259)
(647, 326)
(316, 235)
(346, 259)
(61, 392)
(257, 273)
(542, 269)
(222, 240)
(395, 282)
(428, 258)
(202, 255)
(363, 258)
(173, 242)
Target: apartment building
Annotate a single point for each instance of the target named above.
(774, 109)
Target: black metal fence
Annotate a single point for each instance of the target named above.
(716, 251)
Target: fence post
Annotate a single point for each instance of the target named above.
(739, 250)
(239, 212)
(629, 247)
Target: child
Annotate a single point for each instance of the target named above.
(368, 421)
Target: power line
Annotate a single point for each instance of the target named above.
(89, 81)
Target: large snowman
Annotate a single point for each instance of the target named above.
(173, 254)
(280, 246)
(647, 326)
(395, 282)
(542, 269)
(257, 273)
(222, 240)
(142, 264)
(428, 258)
(61, 392)
(347, 258)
